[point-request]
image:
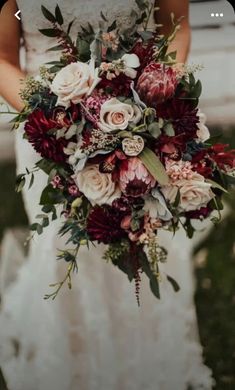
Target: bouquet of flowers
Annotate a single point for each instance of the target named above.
(125, 147)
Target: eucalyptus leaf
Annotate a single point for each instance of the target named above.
(169, 130)
(153, 164)
(154, 129)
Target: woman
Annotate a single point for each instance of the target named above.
(95, 336)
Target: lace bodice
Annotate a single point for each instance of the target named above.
(83, 11)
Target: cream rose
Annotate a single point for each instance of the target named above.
(74, 82)
(194, 192)
(203, 133)
(96, 186)
(115, 115)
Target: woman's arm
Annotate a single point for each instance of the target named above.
(183, 36)
(10, 73)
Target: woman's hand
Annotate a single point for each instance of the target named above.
(183, 37)
(10, 74)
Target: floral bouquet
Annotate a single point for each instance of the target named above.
(125, 147)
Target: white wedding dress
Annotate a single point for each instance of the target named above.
(94, 337)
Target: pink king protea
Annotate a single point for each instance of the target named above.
(156, 84)
(135, 179)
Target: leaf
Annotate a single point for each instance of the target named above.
(154, 129)
(169, 130)
(39, 229)
(189, 228)
(196, 90)
(177, 199)
(45, 165)
(31, 181)
(33, 227)
(58, 15)
(48, 15)
(56, 48)
(146, 35)
(45, 222)
(141, 4)
(48, 32)
(230, 180)
(216, 185)
(70, 26)
(83, 49)
(103, 17)
(142, 18)
(20, 182)
(112, 27)
(154, 285)
(174, 284)
(51, 196)
(154, 166)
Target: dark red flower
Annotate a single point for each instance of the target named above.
(156, 84)
(41, 133)
(204, 212)
(119, 86)
(183, 116)
(203, 168)
(104, 224)
(222, 157)
(144, 52)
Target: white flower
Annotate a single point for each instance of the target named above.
(74, 82)
(194, 192)
(96, 186)
(115, 115)
(203, 133)
(131, 61)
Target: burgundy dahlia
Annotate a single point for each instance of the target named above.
(134, 179)
(104, 224)
(39, 130)
(182, 115)
(157, 84)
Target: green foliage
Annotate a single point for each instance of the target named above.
(154, 166)
(51, 196)
(153, 279)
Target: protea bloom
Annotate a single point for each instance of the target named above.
(134, 179)
(157, 84)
